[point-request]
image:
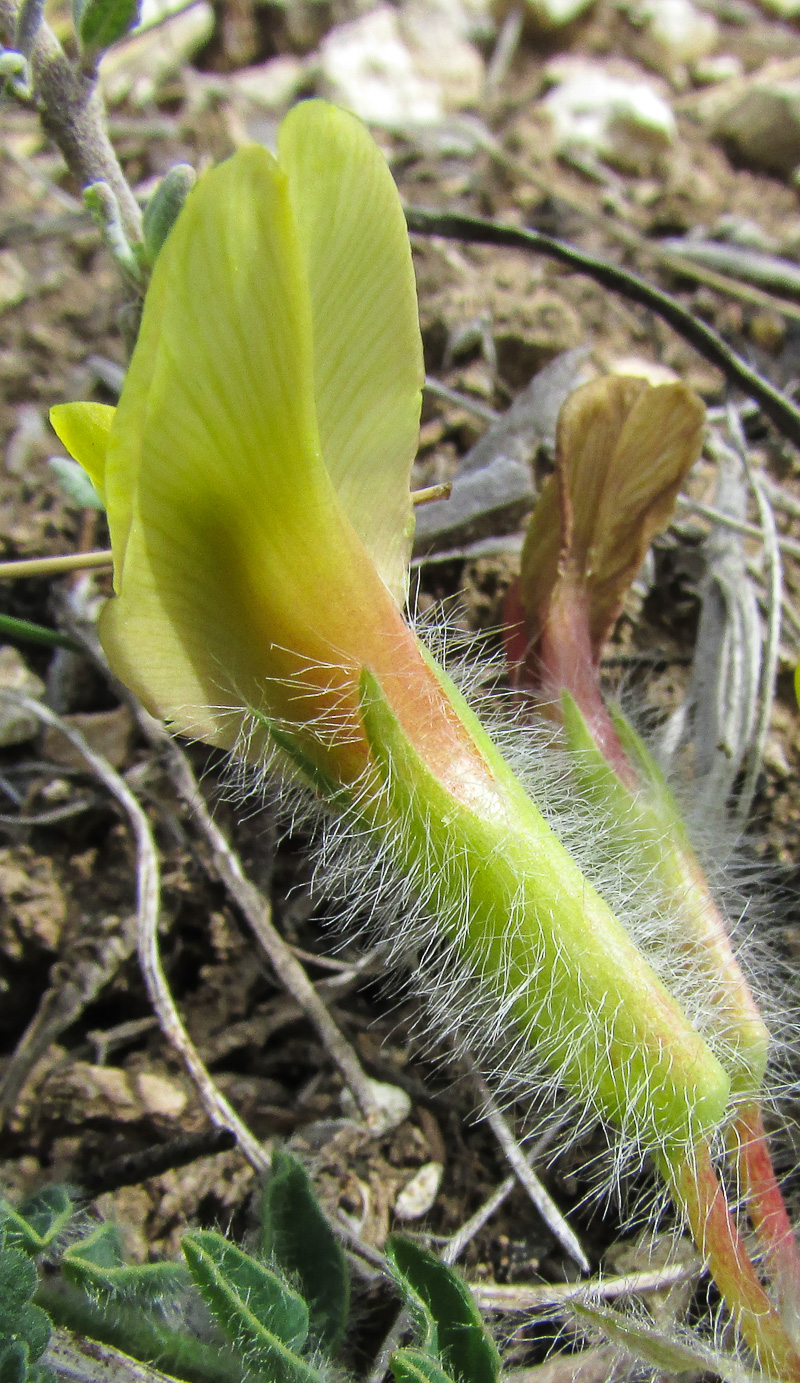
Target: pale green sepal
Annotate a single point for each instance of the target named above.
(669, 1355)
(74, 483)
(315, 777)
(165, 206)
(648, 826)
(368, 366)
(636, 819)
(660, 794)
(532, 927)
(84, 429)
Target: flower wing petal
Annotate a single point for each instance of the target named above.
(84, 429)
(228, 537)
(368, 367)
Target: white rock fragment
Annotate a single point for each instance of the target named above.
(641, 368)
(366, 66)
(16, 727)
(720, 67)
(136, 69)
(419, 1194)
(672, 33)
(436, 35)
(617, 120)
(403, 68)
(552, 14)
(784, 9)
(761, 126)
(272, 85)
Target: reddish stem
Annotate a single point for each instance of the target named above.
(698, 1191)
(766, 1209)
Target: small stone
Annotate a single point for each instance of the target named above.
(419, 1194)
(768, 330)
(552, 14)
(33, 908)
(109, 733)
(638, 366)
(617, 120)
(442, 53)
(83, 1091)
(719, 67)
(672, 33)
(761, 127)
(16, 726)
(367, 66)
(273, 84)
(14, 281)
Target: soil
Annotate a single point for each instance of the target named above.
(110, 1086)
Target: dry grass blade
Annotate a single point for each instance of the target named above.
(769, 666)
(85, 968)
(75, 1360)
(216, 1106)
(514, 1155)
(382, 1105)
(557, 1295)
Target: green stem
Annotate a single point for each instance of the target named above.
(129, 1328)
(698, 1192)
(27, 632)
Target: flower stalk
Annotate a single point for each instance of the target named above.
(583, 547)
(256, 479)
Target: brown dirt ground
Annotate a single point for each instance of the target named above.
(73, 878)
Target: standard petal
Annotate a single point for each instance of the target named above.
(84, 429)
(231, 547)
(368, 368)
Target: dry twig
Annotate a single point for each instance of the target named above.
(216, 1106)
(516, 1158)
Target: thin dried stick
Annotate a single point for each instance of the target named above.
(769, 666)
(381, 1105)
(518, 1297)
(54, 566)
(458, 1242)
(73, 1359)
(477, 230)
(216, 1106)
(514, 1155)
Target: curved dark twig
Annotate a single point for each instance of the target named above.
(478, 230)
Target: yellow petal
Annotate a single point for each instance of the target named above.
(84, 429)
(368, 368)
(241, 582)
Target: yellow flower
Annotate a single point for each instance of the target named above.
(256, 472)
(256, 477)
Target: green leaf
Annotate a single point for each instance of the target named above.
(13, 1362)
(295, 1232)
(164, 206)
(99, 23)
(96, 1264)
(140, 1333)
(446, 1315)
(665, 1352)
(34, 1224)
(263, 1317)
(28, 632)
(18, 1282)
(75, 483)
(414, 1366)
